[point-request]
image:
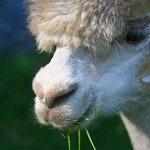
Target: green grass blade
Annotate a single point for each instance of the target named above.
(69, 144)
(79, 139)
(87, 119)
(88, 134)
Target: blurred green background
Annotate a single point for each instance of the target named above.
(19, 129)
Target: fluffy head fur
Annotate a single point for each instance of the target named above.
(75, 23)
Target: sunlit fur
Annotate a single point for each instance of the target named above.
(110, 76)
(79, 22)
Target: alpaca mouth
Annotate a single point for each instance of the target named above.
(135, 31)
(84, 119)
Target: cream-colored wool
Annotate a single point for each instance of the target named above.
(77, 22)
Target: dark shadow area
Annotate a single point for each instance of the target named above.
(14, 35)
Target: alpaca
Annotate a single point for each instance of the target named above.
(101, 61)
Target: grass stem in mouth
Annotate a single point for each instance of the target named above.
(69, 143)
(90, 139)
(79, 139)
(86, 119)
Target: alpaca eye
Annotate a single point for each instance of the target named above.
(135, 37)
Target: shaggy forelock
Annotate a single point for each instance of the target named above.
(76, 23)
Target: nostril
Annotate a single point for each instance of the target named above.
(38, 90)
(62, 96)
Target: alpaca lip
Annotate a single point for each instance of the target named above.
(87, 112)
(83, 118)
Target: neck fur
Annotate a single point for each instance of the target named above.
(137, 124)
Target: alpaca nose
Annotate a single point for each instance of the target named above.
(56, 95)
(59, 96)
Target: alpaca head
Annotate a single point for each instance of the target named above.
(101, 61)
